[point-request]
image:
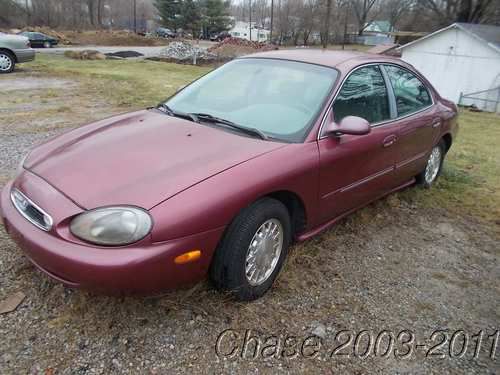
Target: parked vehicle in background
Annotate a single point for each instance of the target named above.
(221, 178)
(40, 40)
(218, 37)
(14, 49)
(163, 32)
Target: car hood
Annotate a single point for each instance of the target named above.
(139, 159)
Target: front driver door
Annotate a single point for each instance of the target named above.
(357, 169)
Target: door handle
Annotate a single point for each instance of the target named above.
(389, 141)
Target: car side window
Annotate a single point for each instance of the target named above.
(411, 94)
(364, 94)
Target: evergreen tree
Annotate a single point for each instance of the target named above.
(215, 17)
(191, 17)
(170, 13)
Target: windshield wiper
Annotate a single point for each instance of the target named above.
(217, 120)
(169, 111)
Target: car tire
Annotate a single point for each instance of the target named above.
(47, 45)
(7, 62)
(249, 248)
(433, 167)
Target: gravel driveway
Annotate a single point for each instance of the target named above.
(394, 267)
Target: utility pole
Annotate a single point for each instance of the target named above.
(135, 16)
(272, 18)
(345, 25)
(250, 19)
(327, 23)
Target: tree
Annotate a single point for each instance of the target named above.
(395, 9)
(362, 9)
(215, 17)
(308, 11)
(471, 11)
(9, 11)
(326, 28)
(190, 18)
(90, 7)
(169, 11)
(100, 6)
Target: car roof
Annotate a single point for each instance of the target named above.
(328, 58)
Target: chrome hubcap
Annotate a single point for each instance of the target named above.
(264, 252)
(433, 165)
(5, 62)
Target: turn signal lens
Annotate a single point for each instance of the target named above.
(190, 256)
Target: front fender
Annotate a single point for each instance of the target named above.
(213, 203)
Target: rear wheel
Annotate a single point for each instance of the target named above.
(7, 62)
(433, 167)
(252, 252)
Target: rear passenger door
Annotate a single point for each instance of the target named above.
(357, 169)
(418, 121)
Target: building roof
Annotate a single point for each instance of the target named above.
(323, 57)
(488, 34)
(383, 26)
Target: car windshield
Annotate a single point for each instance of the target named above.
(277, 97)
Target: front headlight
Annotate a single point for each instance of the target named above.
(112, 226)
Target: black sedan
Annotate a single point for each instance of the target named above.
(218, 37)
(163, 32)
(39, 39)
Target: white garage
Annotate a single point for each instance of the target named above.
(462, 61)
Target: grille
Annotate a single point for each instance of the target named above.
(31, 212)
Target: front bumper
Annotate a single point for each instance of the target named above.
(143, 268)
(25, 55)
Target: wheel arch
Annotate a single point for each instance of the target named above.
(448, 140)
(10, 52)
(295, 206)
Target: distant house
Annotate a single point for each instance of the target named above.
(245, 30)
(376, 32)
(383, 27)
(462, 61)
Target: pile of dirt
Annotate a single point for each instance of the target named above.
(185, 52)
(94, 37)
(234, 47)
(85, 55)
(112, 38)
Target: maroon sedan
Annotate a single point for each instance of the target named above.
(222, 177)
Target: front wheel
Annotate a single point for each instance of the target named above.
(433, 167)
(7, 62)
(47, 45)
(253, 249)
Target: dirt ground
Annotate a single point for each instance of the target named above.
(418, 273)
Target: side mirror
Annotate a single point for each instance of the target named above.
(348, 125)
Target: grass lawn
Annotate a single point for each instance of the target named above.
(131, 83)
(471, 176)
(469, 184)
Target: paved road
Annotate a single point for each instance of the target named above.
(146, 51)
